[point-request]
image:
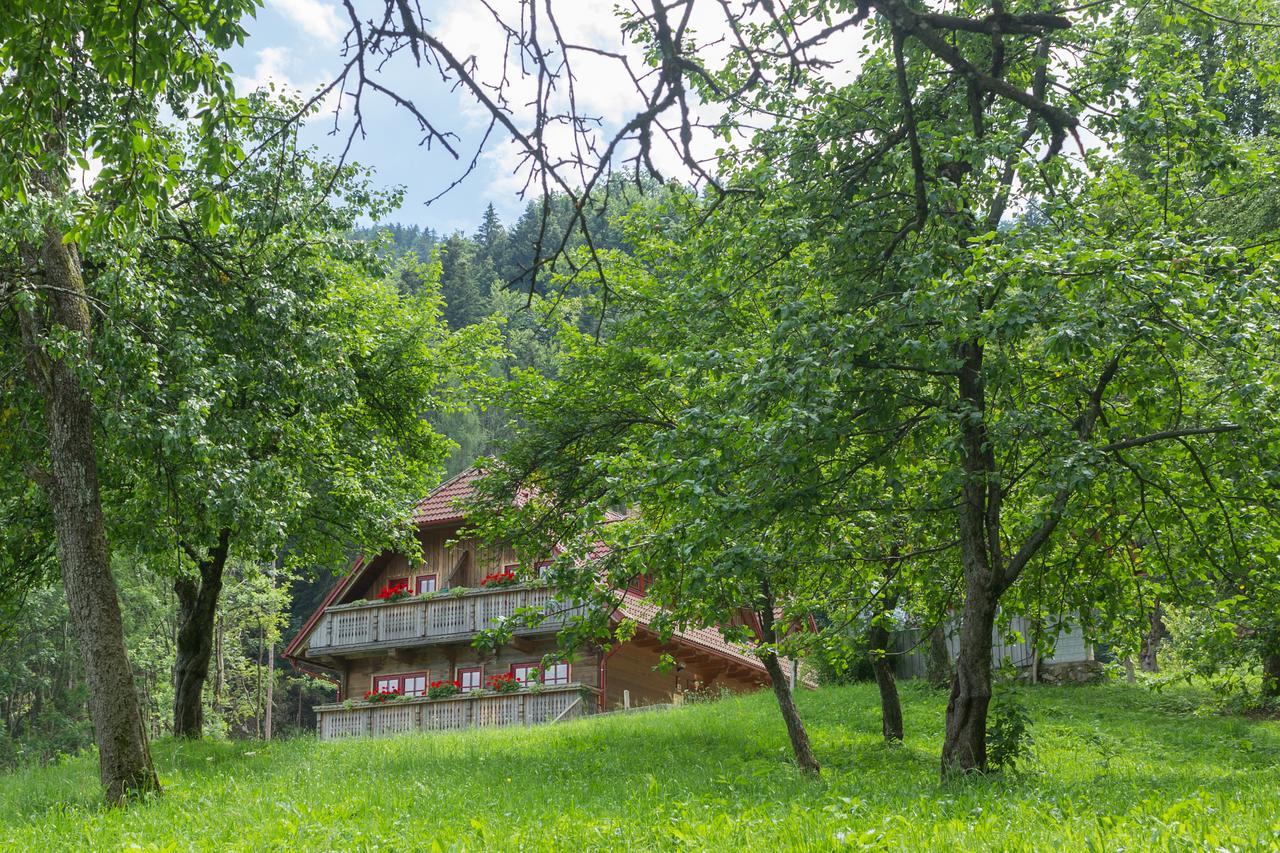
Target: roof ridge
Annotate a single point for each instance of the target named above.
(470, 469)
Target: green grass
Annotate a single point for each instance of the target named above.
(1112, 768)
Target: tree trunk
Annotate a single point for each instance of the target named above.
(877, 647)
(71, 482)
(791, 715)
(1147, 658)
(965, 747)
(938, 665)
(271, 689)
(221, 679)
(197, 613)
(781, 689)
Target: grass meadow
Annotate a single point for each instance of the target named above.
(1111, 768)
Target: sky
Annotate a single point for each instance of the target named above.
(298, 44)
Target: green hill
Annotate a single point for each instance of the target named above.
(1112, 767)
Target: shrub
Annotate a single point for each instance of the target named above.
(1008, 735)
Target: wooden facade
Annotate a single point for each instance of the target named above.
(405, 645)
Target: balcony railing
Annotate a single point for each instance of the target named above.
(445, 617)
(527, 707)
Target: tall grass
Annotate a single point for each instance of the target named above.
(1111, 768)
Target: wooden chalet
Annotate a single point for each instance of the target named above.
(403, 646)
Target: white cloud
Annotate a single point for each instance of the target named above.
(316, 18)
(271, 71)
(605, 87)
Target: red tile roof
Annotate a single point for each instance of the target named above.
(439, 506)
(632, 607)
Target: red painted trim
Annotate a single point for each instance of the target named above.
(417, 590)
(457, 674)
(536, 664)
(568, 675)
(399, 678)
(541, 674)
(600, 676)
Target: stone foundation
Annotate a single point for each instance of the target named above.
(1068, 672)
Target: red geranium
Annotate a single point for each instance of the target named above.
(443, 689)
(394, 593)
(502, 578)
(383, 695)
(504, 683)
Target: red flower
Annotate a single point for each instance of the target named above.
(503, 578)
(391, 593)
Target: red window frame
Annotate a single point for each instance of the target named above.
(556, 676)
(393, 582)
(526, 666)
(397, 681)
(462, 671)
(552, 674)
(417, 583)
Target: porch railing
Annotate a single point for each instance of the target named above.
(441, 618)
(469, 710)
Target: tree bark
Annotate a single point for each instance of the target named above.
(790, 715)
(271, 689)
(877, 649)
(197, 612)
(782, 689)
(1147, 658)
(964, 748)
(71, 482)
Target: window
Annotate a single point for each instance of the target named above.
(523, 671)
(406, 684)
(393, 582)
(424, 583)
(542, 567)
(469, 677)
(557, 673)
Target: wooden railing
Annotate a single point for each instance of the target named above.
(469, 710)
(444, 617)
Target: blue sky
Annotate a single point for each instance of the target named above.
(298, 43)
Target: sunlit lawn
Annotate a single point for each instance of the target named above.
(1112, 768)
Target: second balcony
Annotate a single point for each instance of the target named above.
(445, 617)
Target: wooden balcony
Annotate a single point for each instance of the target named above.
(444, 618)
(548, 704)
